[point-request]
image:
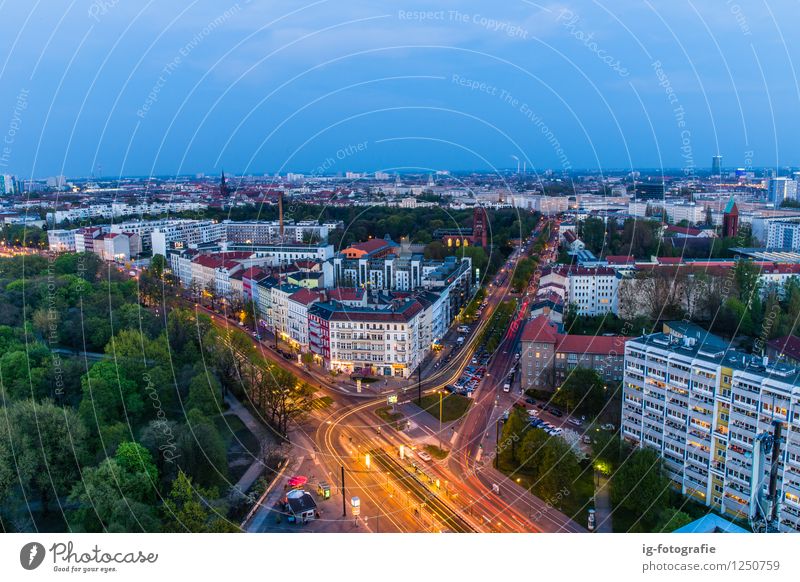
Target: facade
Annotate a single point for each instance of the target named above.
(61, 241)
(269, 232)
(780, 189)
(548, 357)
(783, 234)
(702, 406)
(590, 290)
(383, 340)
(117, 246)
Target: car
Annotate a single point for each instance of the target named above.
(424, 456)
(587, 440)
(540, 405)
(556, 412)
(574, 421)
(474, 360)
(533, 412)
(608, 426)
(506, 387)
(530, 400)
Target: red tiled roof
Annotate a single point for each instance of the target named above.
(371, 245)
(305, 296)
(539, 329)
(254, 273)
(346, 294)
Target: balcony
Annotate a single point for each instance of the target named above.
(736, 502)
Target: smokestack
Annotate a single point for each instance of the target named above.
(280, 213)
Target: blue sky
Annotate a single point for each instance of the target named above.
(138, 88)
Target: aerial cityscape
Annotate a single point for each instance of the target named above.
(366, 268)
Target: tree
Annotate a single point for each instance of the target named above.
(109, 396)
(205, 393)
(671, 519)
(746, 275)
(189, 509)
(157, 265)
(638, 486)
(119, 495)
(594, 234)
(549, 461)
(583, 391)
(201, 451)
(42, 445)
(513, 431)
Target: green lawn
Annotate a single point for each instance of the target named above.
(391, 418)
(454, 406)
(436, 452)
(321, 403)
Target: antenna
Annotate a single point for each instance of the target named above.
(764, 507)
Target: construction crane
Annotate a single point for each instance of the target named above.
(764, 490)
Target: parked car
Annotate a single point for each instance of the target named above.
(424, 456)
(506, 387)
(530, 400)
(574, 421)
(556, 412)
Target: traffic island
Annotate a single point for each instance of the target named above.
(453, 406)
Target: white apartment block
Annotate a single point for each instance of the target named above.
(61, 241)
(701, 405)
(269, 232)
(783, 234)
(592, 290)
(676, 211)
(120, 209)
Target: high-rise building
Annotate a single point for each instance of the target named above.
(703, 407)
(716, 166)
(7, 184)
(781, 189)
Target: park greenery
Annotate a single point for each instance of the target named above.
(641, 238)
(548, 465)
(113, 413)
(493, 334)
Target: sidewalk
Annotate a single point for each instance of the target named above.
(602, 504)
(262, 435)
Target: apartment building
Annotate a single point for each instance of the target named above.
(61, 241)
(783, 234)
(382, 340)
(592, 290)
(702, 406)
(269, 232)
(548, 357)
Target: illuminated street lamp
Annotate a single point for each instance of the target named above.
(367, 460)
